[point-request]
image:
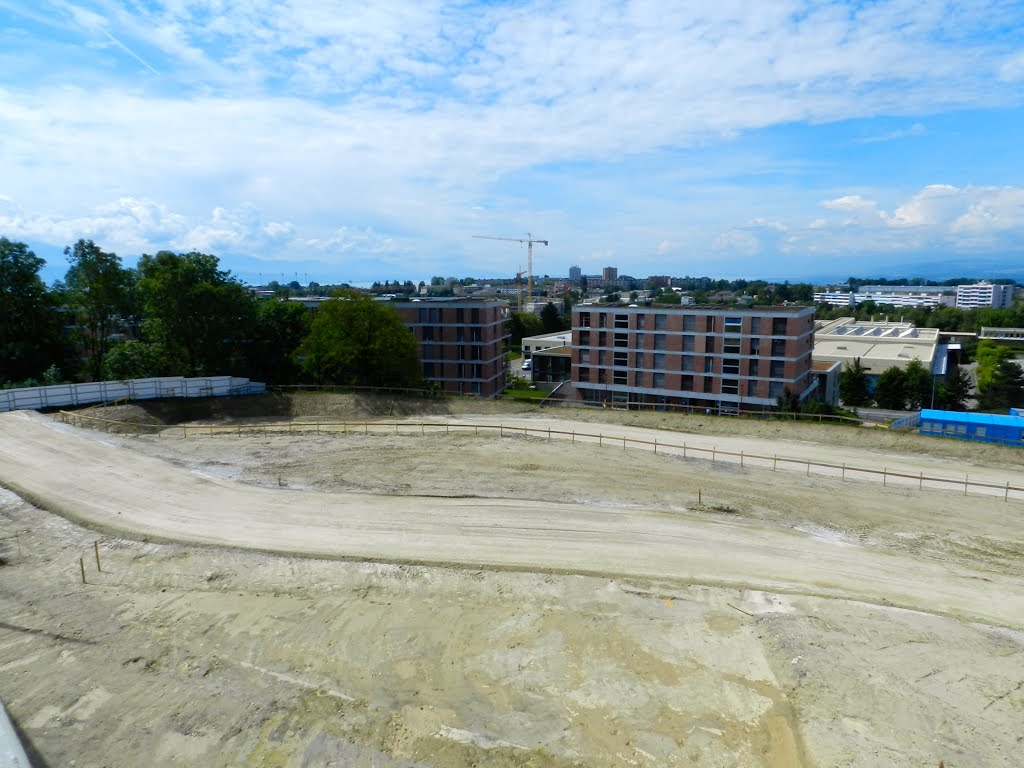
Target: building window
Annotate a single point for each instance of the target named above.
(640, 341)
(659, 341)
(709, 384)
(659, 322)
(709, 364)
(585, 338)
(641, 322)
(620, 377)
(755, 326)
(730, 386)
(730, 345)
(602, 320)
(778, 347)
(686, 383)
(778, 369)
(687, 364)
(709, 324)
(731, 366)
(752, 387)
(600, 357)
(639, 360)
(755, 346)
(620, 359)
(752, 368)
(600, 375)
(622, 321)
(428, 370)
(585, 319)
(689, 322)
(775, 389)
(584, 374)
(733, 325)
(584, 355)
(688, 344)
(621, 339)
(659, 381)
(779, 326)
(428, 333)
(659, 361)
(460, 315)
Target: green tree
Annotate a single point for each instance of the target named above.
(280, 328)
(30, 328)
(100, 292)
(988, 355)
(133, 359)
(917, 385)
(200, 314)
(788, 401)
(953, 393)
(891, 390)
(853, 385)
(354, 340)
(523, 324)
(1004, 389)
(550, 320)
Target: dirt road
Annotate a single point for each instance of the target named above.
(787, 620)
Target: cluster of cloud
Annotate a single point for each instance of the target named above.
(306, 129)
(939, 217)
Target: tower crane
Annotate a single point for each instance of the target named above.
(529, 240)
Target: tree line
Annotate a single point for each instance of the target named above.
(181, 314)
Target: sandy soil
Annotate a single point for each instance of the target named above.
(612, 620)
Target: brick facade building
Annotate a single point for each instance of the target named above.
(461, 343)
(725, 358)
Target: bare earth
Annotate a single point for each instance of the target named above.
(424, 599)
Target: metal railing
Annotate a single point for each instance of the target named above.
(773, 462)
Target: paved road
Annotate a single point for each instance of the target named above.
(102, 485)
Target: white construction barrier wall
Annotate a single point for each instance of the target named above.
(62, 395)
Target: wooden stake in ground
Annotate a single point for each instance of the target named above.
(81, 564)
(96, 547)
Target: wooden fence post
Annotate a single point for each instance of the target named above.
(96, 547)
(81, 564)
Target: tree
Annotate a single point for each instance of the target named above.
(100, 291)
(891, 390)
(917, 385)
(952, 394)
(1004, 389)
(788, 401)
(988, 356)
(133, 360)
(354, 340)
(523, 324)
(30, 328)
(200, 314)
(280, 327)
(551, 321)
(853, 385)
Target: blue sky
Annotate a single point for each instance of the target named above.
(335, 141)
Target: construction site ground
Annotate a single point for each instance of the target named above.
(416, 598)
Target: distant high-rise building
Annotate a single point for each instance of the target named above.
(575, 273)
(984, 295)
(610, 274)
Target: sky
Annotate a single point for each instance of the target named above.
(338, 141)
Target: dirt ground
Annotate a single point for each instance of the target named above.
(468, 600)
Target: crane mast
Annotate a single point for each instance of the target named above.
(529, 240)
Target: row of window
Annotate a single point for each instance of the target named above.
(445, 352)
(449, 315)
(731, 345)
(729, 366)
(694, 322)
(687, 383)
(463, 371)
(462, 334)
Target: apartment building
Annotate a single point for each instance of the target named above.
(984, 295)
(724, 358)
(461, 342)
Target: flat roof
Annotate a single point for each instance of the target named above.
(871, 352)
(566, 350)
(787, 309)
(824, 365)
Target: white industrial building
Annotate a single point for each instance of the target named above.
(533, 344)
(879, 345)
